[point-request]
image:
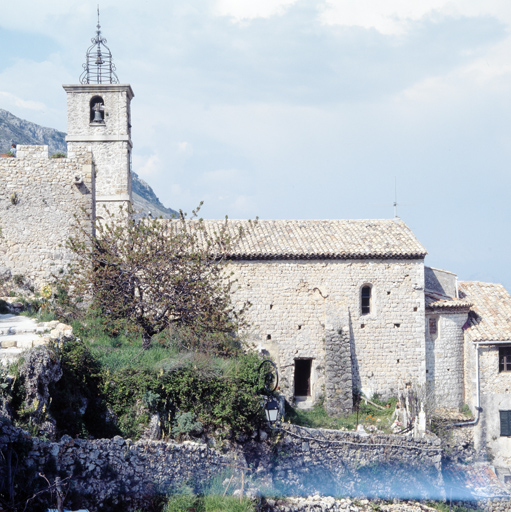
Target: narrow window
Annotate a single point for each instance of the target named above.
(303, 377)
(505, 423)
(366, 300)
(433, 328)
(505, 359)
(97, 110)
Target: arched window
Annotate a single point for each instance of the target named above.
(365, 299)
(97, 110)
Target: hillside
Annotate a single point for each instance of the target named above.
(20, 131)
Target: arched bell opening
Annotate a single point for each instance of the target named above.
(97, 110)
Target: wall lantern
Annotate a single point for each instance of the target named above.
(271, 409)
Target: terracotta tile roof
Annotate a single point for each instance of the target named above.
(323, 239)
(472, 482)
(436, 301)
(490, 317)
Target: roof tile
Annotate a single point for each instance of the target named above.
(490, 318)
(323, 239)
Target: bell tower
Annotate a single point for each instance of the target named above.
(99, 117)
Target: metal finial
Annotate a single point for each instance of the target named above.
(99, 67)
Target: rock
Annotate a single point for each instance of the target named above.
(55, 449)
(153, 430)
(5, 273)
(118, 440)
(40, 369)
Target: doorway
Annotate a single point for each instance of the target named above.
(303, 377)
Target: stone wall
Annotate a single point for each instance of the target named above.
(495, 397)
(293, 301)
(110, 140)
(107, 471)
(117, 113)
(338, 388)
(444, 360)
(112, 169)
(328, 504)
(39, 197)
(330, 462)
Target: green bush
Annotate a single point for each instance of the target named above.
(77, 404)
(186, 423)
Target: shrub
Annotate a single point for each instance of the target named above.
(186, 423)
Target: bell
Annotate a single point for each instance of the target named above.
(97, 117)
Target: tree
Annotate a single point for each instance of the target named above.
(153, 273)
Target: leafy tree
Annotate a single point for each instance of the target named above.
(154, 273)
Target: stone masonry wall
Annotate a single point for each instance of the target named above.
(444, 356)
(111, 161)
(110, 140)
(330, 462)
(495, 397)
(107, 471)
(116, 114)
(339, 388)
(293, 301)
(39, 197)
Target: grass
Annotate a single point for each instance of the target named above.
(207, 503)
(446, 507)
(370, 417)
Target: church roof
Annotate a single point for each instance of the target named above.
(490, 316)
(323, 239)
(436, 301)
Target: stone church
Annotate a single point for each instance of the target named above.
(340, 305)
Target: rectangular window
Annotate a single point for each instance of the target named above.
(505, 359)
(433, 328)
(505, 423)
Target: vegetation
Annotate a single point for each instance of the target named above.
(145, 275)
(447, 507)
(112, 386)
(207, 503)
(368, 415)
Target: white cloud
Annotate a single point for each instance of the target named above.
(243, 206)
(147, 166)
(241, 10)
(185, 148)
(395, 17)
(10, 99)
(222, 177)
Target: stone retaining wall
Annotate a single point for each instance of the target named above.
(337, 463)
(109, 470)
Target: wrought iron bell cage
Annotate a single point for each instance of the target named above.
(99, 67)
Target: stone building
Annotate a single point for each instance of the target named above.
(341, 305)
(487, 367)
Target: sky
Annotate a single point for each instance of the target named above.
(300, 109)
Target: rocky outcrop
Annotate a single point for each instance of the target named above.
(41, 367)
